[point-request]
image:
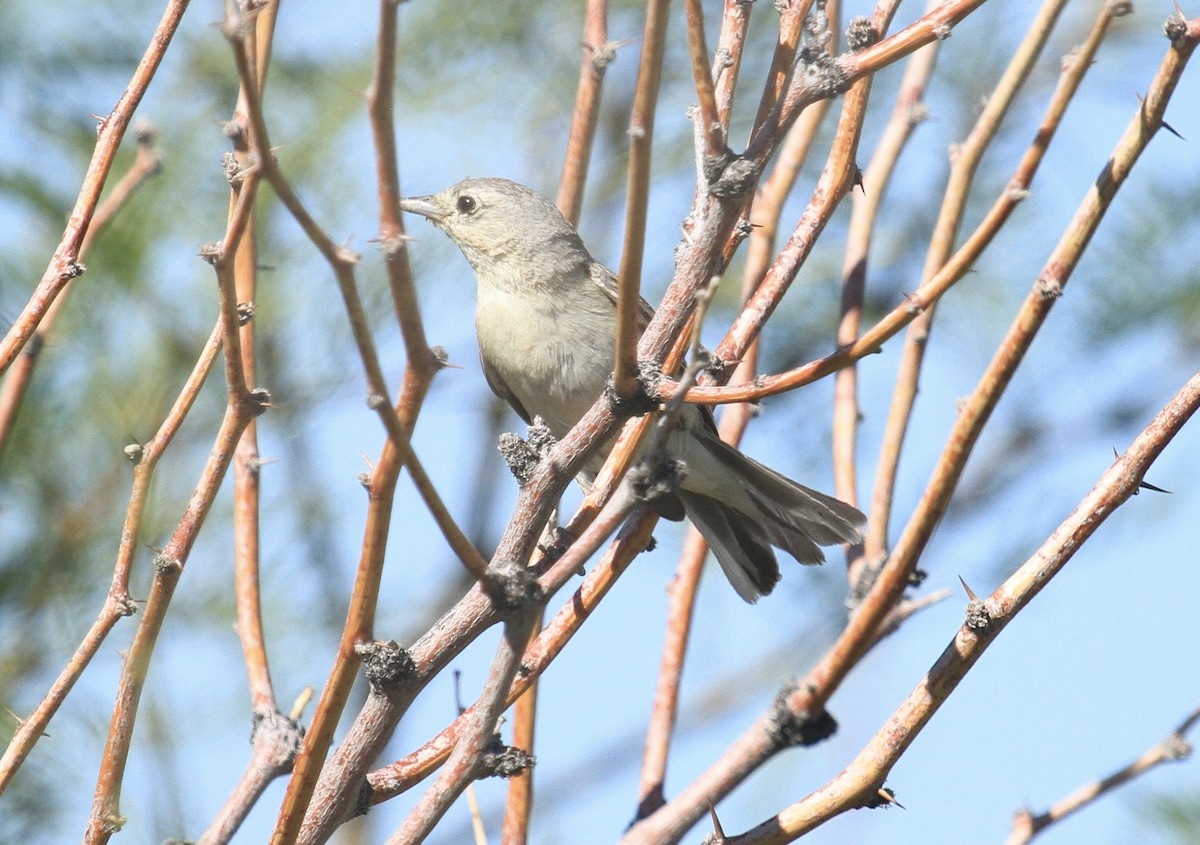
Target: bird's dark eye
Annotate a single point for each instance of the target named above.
(467, 204)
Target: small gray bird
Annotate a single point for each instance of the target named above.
(546, 319)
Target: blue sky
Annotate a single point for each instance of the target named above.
(1100, 666)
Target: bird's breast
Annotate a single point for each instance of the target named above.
(553, 352)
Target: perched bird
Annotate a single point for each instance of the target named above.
(546, 320)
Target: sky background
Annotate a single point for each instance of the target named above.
(1100, 666)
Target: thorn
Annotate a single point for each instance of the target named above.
(716, 822)
(1142, 485)
(458, 692)
(1172, 130)
(21, 721)
(970, 593)
(887, 796)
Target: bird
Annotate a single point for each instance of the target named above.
(546, 320)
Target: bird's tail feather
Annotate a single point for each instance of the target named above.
(747, 560)
(762, 509)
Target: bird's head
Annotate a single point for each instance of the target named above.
(500, 222)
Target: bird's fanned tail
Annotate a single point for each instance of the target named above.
(763, 509)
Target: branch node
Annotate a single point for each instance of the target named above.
(606, 54)
(1176, 747)
(861, 34)
(232, 169)
(135, 452)
(165, 564)
(511, 587)
(1048, 287)
(1175, 28)
(656, 475)
(978, 617)
(556, 546)
(245, 313)
(387, 665)
(736, 177)
(258, 401)
(883, 797)
(504, 761)
(278, 737)
(211, 251)
(524, 454)
(643, 400)
(789, 729)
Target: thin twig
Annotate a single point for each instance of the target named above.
(931, 291)
(810, 693)
(641, 133)
(712, 129)
(965, 162)
(1172, 748)
(727, 61)
(858, 785)
(907, 113)
(65, 265)
(118, 604)
(975, 410)
(403, 774)
(598, 53)
(463, 765)
(147, 162)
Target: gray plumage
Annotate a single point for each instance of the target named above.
(546, 321)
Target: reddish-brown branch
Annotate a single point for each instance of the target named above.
(977, 407)
(518, 806)
(1172, 748)
(105, 818)
(65, 265)
(858, 785)
(804, 89)
(247, 463)
(951, 272)
(403, 774)
(907, 112)
(147, 162)
(118, 603)
(464, 762)
(791, 25)
(711, 128)
(810, 694)
(954, 203)
(598, 53)
(727, 62)
(641, 133)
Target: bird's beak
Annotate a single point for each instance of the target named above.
(424, 206)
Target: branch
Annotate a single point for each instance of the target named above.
(859, 784)
(1172, 748)
(641, 133)
(965, 162)
(147, 162)
(598, 53)
(65, 265)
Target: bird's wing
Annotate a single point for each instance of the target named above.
(500, 388)
(606, 280)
